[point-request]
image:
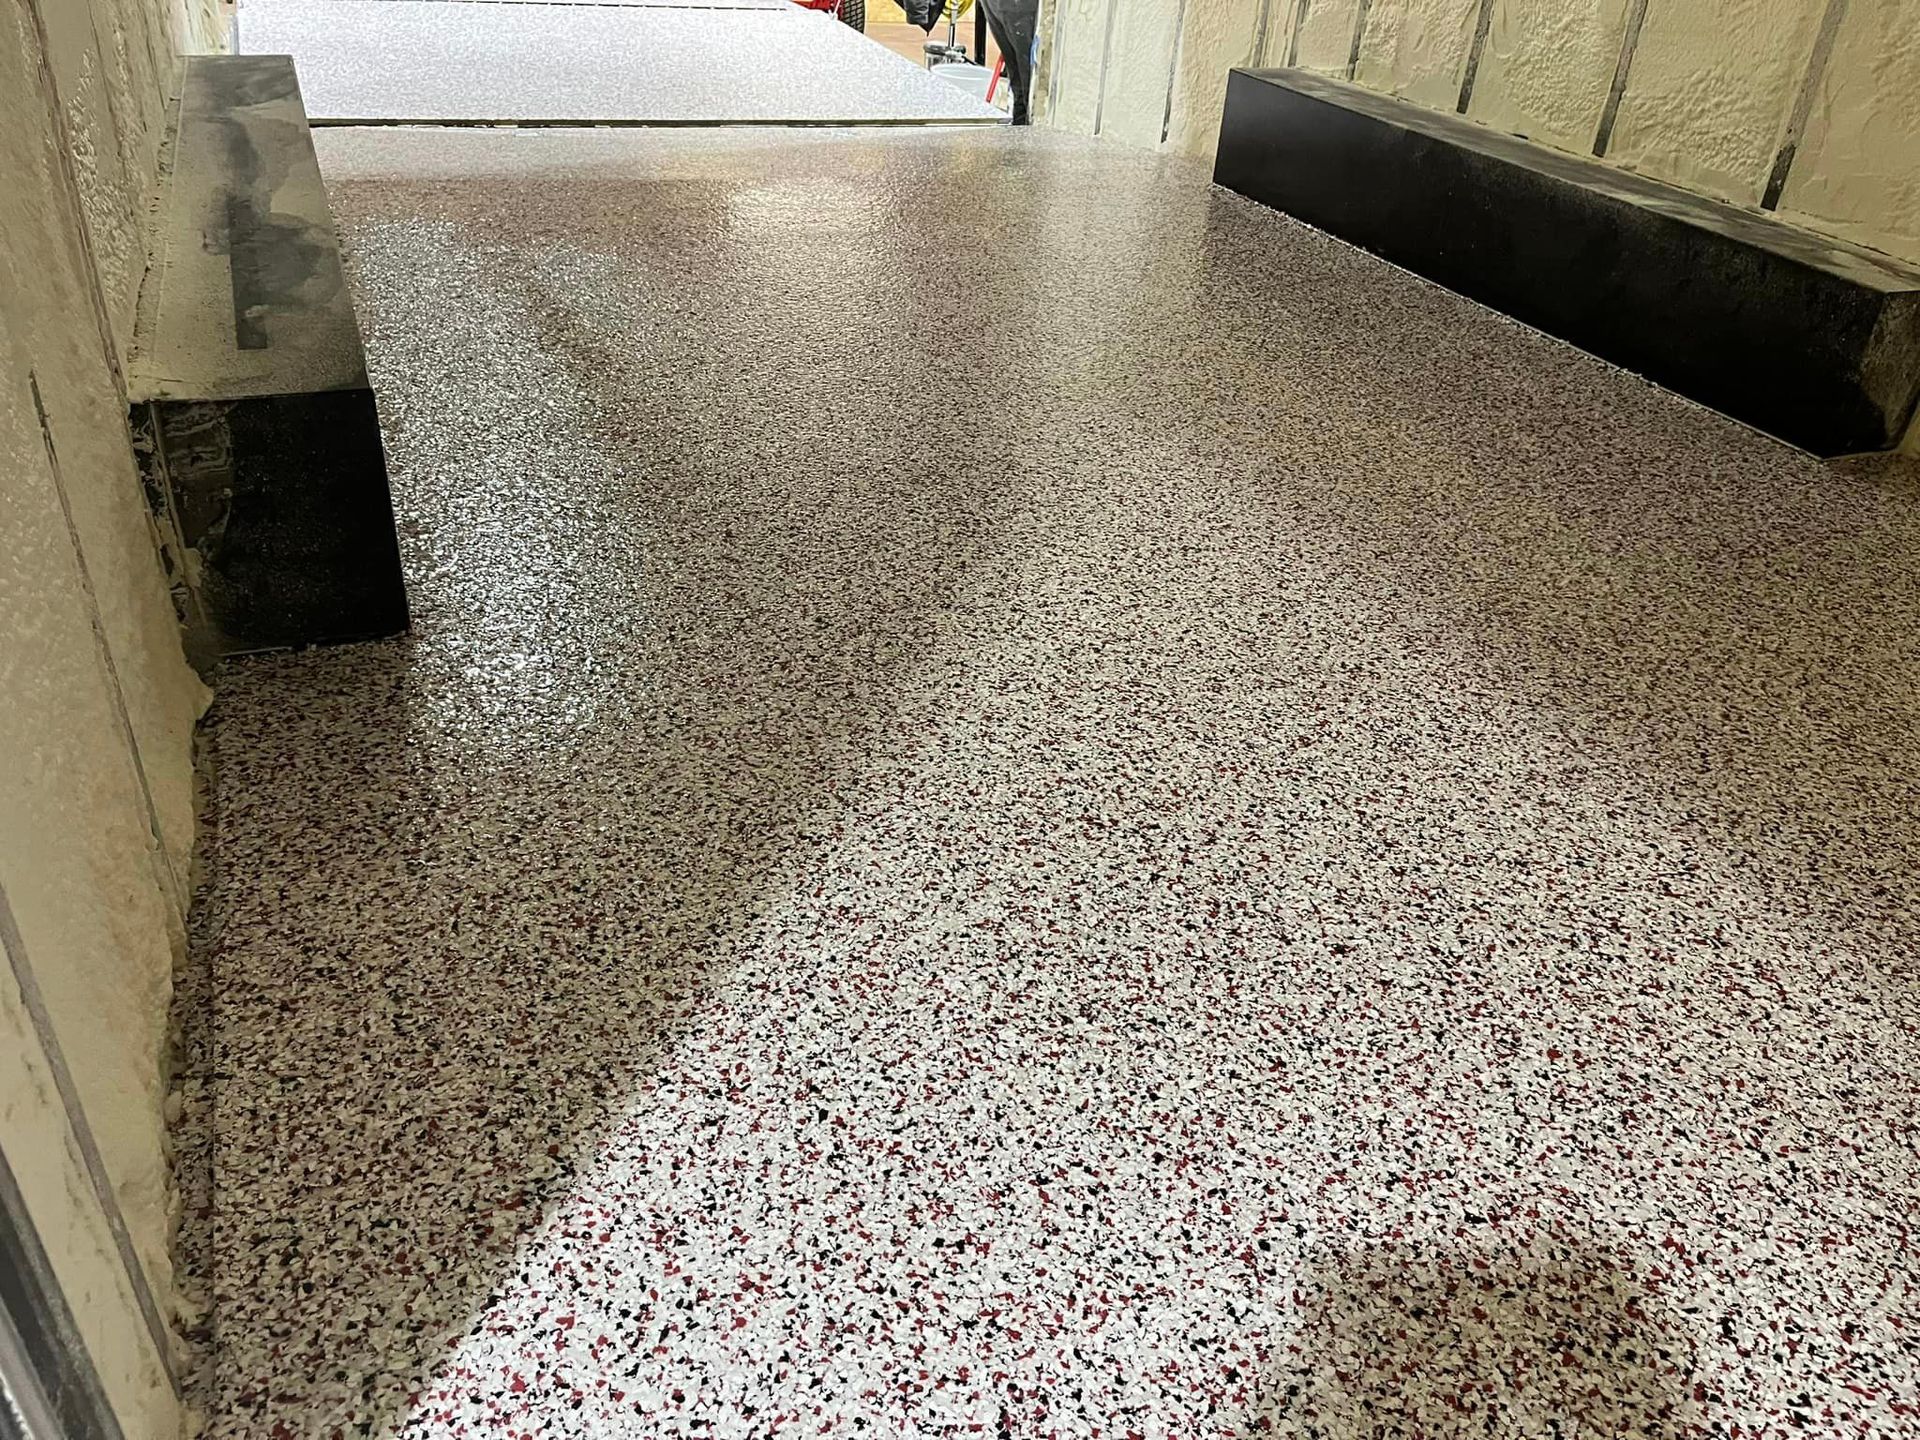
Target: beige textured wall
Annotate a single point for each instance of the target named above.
(1417, 48)
(1545, 70)
(1858, 169)
(1323, 32)
(97, 705)
(1709, 100)
(1712, 85)
(1078, 49)
(1215, 37)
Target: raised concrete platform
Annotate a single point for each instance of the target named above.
(1805, 337)
(429, 61)
(259, 434)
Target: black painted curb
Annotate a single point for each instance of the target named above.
(1807, 338)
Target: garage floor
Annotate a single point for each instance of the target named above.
(1192, 837)
(625, 62)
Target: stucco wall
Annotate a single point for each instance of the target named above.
(97, 705)
(1807, 107)
(1857, 172)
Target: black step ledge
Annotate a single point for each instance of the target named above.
(1805, 337)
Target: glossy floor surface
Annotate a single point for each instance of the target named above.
(1192, 838)
(758, 61)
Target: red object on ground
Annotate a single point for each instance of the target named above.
(993, 80)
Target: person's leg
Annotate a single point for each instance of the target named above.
(1012, 23)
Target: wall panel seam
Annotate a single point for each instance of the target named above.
(171, 886)
(1293, 36)
(1622, 68)
(1483, 22)
(1823, 43)
(63, 137)
(1052, 57)
(1262, 23)
(1361, 11)
(69, 183)
(90, 1157)
(1173, 69)
(1106, 54)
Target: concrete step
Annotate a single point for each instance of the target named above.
(259, 434)
(1803, 336)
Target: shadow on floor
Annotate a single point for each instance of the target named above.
(678, 551)
(470, 889)
(1403, 1340)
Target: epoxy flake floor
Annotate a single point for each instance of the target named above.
(421, 61)
(1192, 838)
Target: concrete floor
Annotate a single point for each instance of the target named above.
(1194, 838)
